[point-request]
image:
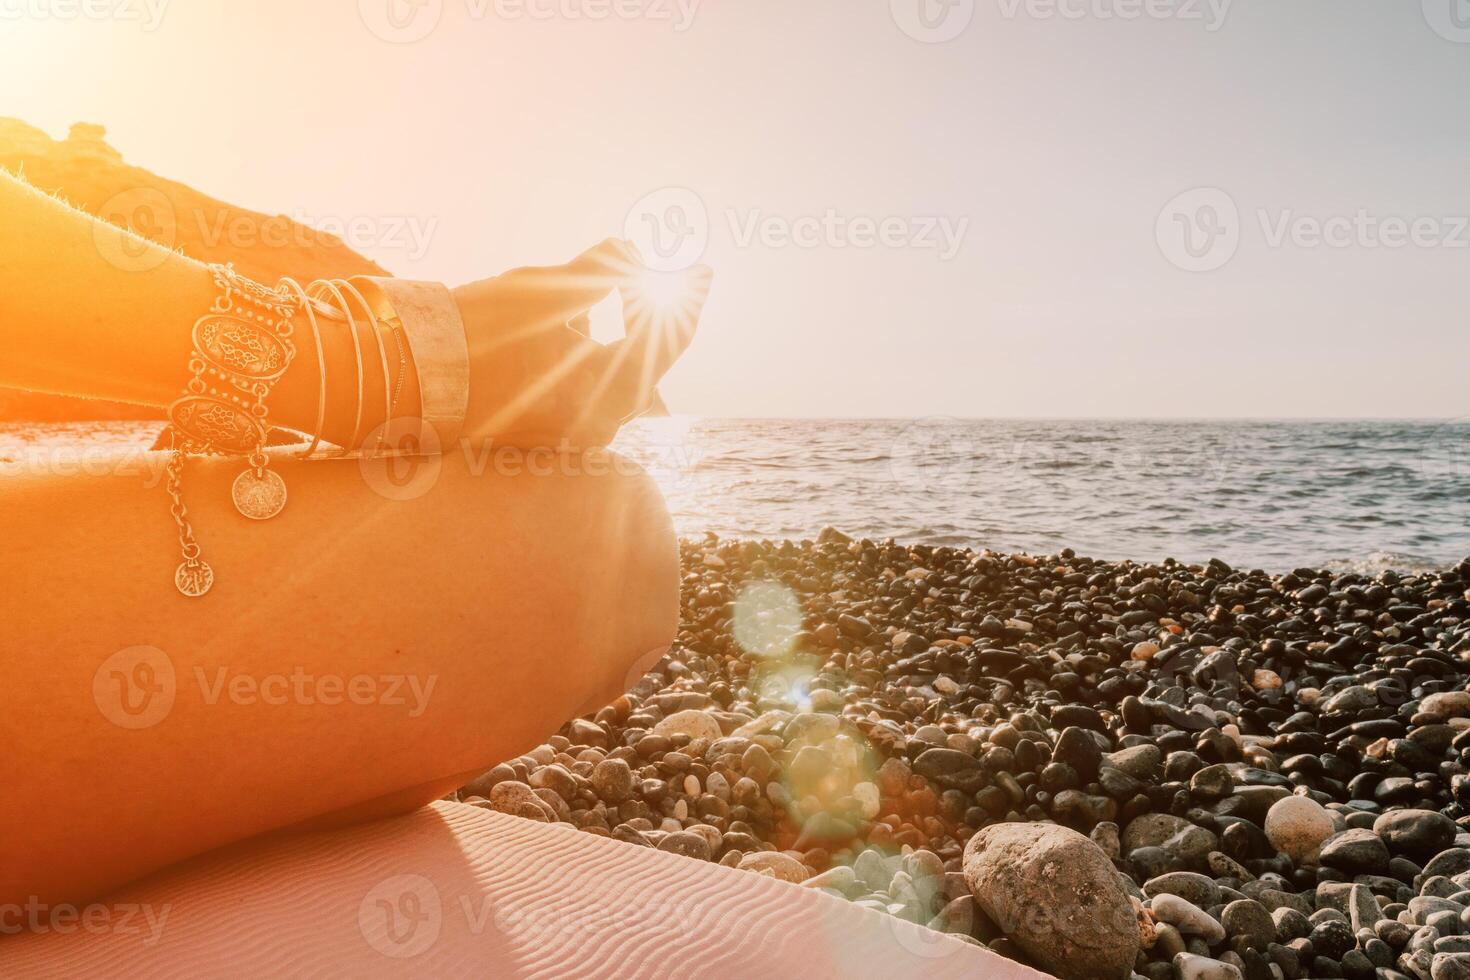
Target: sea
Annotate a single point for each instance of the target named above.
(1276, 495)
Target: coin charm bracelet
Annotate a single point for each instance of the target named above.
(243, 346)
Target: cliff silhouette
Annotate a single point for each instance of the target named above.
(93, 176)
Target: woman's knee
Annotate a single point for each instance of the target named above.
(599, 557)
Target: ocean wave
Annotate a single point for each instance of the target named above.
(1362, 496)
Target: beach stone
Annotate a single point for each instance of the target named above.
(776, 864)
(1449, 862)
(1189, 843)
(1056, 895)
(1106, 836)
(1332, 938)
(1362, 908)
(1142, 762)
(839, 877)
(868, 799)
(1150, 862)
(1447, 704)
(520, 800)
(1188, 885)
(1188, 918)
(556, 779)
(1297, 826)
(691, 722)
(1077, 748)
(1190, 966)
(1450, 966)
(613, 780)
(584, 732)
(872, 870)
(1249, 920)
(486, 781)
(950, 768)
(1417, 833)
(827, 701)
(686, 843)
(1224, 866)
(1356, 852)
(1290, 924)
(1211, 783)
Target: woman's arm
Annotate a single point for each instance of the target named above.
(91, 310)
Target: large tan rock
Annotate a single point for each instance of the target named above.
(1297, 826)
(1055, 894)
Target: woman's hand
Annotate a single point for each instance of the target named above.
(538, 379)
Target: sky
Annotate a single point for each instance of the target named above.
(973, 208)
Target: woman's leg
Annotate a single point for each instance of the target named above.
(358, 655)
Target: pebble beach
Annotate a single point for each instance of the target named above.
(1097, 768)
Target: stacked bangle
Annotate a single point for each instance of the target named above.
(243, 347)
